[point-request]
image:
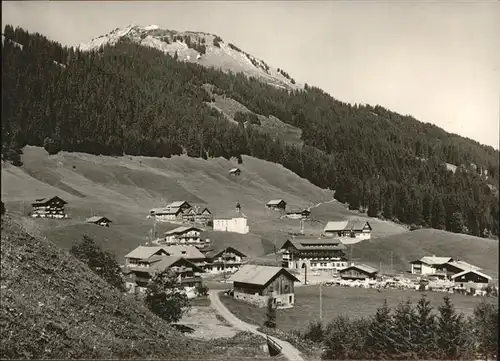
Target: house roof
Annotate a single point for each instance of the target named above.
(327, 244)
(463, 265)
(168, 210)
(180, 230)
(361, 267)
(471, 271)
(232, 170)
(258, 275)
(143, 252)
(274, 202)
(355, 225)
(162, 263)
(220, 250)
(177, 204)
(46, 200)
(190, 252)
(95, 219)
(433, 260)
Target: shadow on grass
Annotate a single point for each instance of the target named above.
(183, 328)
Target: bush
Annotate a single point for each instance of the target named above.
(3, 209)
(201, 290)
(51, 146)
(271, 314)
(315, 332)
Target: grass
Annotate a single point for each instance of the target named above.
(125, 188)
(353, 302)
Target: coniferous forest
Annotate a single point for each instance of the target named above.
(129, 99)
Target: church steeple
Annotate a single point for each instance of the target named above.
(238, 207)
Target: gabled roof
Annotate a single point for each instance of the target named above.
(433, 260)
(190, 211)
(327, 244)
(220, 250)
(162, 263)
(177, 204)
(96, 219)
(47, 200)
(180, 230)
(471, 271)
(169, 210)
(232, 170)
(463, 265)
(188, 252)
(274, 202)
(144, 252)
(203, 210)
(259, 275)
(361, 267)
(351, 225)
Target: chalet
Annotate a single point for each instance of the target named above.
(235, 221)
(101, 221)
(168, 214)
(183, 205)
(227, 259)
(49, 208)
(358, 272)
(197, 215)
(314, 253)
(298, 214)
(354, 229)
(183, 236)
(256, 284)
(442, 267)
(190, 253)
(471, 279)
(276, 205)
(138, 276)
(235, 171)
(142, 253)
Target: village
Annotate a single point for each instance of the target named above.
(322, 260)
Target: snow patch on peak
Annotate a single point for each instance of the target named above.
(150, 27)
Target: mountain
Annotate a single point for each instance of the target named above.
(197, 47)
(54, 307)
(125, 98)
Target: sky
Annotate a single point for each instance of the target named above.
(438, 61)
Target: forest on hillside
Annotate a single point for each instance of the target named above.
(129, 99)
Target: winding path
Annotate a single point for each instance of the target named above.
(290, 352)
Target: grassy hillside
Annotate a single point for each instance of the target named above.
(53, 306)
(125, 188)
(426, 242)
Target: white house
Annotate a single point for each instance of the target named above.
(430, 265)
(234, 221)
(183, 235)
(355, 229)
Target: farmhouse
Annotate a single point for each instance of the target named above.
(190, 253)
(442, 267)
(235, 171)
(354, 229)
(471, 279)
(167, 214)
(101, 221)
(183, 205)
(183, 236)
(49, 208)
(227, 259)
(358, 272)
(256, 284)
(234, 221)
(314, 253)
(197, 215)
(142, 253)
(276, 205)
(138, 276)
(298, 214)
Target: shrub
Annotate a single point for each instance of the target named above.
(271, 314)
(201, 290)
(3, 209)
(315, 332)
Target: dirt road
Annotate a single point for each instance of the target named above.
(290, 352)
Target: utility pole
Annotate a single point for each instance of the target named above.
(224, 260)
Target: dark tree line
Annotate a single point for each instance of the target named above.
(138, 101)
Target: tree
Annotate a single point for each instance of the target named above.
(457, 223)
(438, 214)
(165, 299)
(315, 332)
(380, 338)
(451, 332)
(425, 338)
(486, 329)
(3, 208)
(404, 320)
(344, 339)
(101, 262)
(51, 146)
(201, 289)
(270, 314)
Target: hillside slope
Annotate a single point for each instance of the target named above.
(124, 189)
(53, 306)
(426, 242)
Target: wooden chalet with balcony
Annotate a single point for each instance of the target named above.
(226, 260)
(352, 229)
(298, 214)
(256, 284)
(100, 221)
(183, 236)
(276, 205)
(313, 253)
(49, 208)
